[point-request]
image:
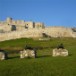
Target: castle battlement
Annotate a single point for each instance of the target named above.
(20, 24)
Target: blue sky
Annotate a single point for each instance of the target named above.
(51, 12)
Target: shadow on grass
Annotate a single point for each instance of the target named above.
(70, 55)
(43, 56)
(13, 57)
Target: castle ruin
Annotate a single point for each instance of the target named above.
(13, 29)
(18, 25)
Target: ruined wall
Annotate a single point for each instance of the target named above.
(58, 31)
(29, 25)
(5, 28)
(20, 34)
(20, 24)
(21, 29)
(32, 33)
(39, 25)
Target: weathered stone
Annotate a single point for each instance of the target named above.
(3, 55)
(27, 53)
(60, 52)
(12, 29)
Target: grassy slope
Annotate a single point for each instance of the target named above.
(44, 64)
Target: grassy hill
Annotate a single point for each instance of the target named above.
(44, 64)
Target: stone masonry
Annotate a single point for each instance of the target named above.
(60, 52)
(13, 29)
(27, 53)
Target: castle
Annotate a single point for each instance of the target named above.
(13, 25)
(12, 29)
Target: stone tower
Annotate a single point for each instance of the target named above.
(9, 20)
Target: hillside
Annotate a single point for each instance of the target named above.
(44, 64)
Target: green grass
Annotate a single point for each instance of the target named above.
(44, 64)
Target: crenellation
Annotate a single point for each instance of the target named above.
(21, 24)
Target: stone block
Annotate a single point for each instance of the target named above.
(27, 53)
(3, 55)
(60, 52)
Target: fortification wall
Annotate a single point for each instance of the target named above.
(21, 29)
(50, 31)
(32, 33)
(74, 34)
(58, 32)
(5, 28)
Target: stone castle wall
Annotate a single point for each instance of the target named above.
(21, 29)
(19, 24)
(35, 33)
(32, 33)
(59, 32)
